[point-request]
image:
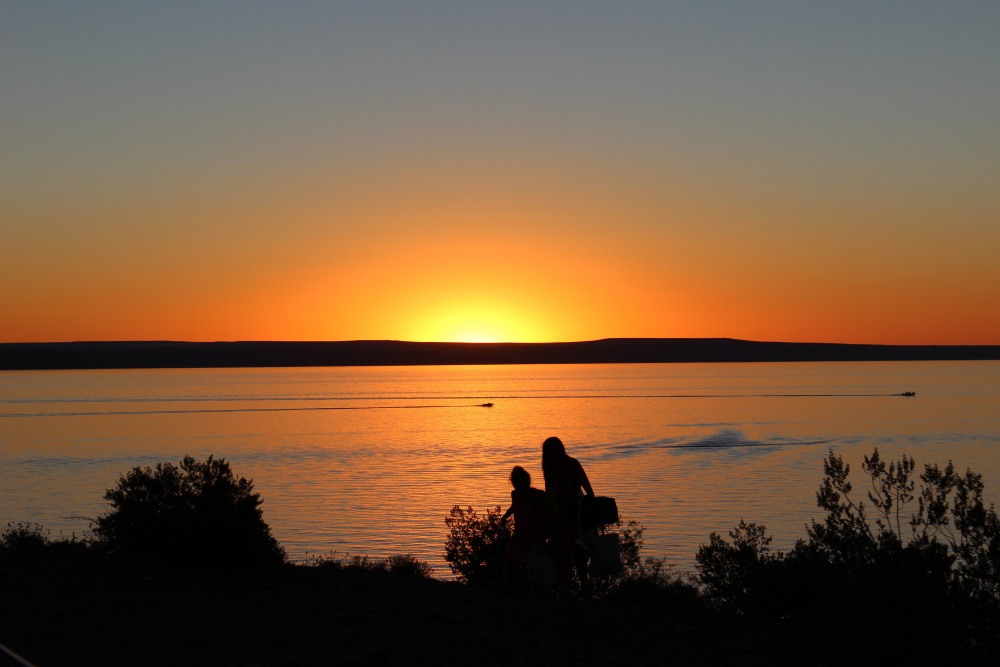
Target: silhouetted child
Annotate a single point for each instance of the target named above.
(527, 504)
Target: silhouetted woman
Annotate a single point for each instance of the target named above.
(564, 478)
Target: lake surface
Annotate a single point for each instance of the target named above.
(370, 460)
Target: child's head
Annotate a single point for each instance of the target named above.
(519, 478)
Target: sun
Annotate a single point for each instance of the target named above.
(474, 331)
(474, 335)
(474, 323)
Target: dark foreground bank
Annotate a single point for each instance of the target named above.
(171, 354)
(337, 616)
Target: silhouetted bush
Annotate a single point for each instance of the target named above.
(629, 534)
(648, 580)
(471, 548)
(24, 544)
(196, 515)
(408, 565)
(24, 537)
(939, 576)
(735, 573)
(399, 564)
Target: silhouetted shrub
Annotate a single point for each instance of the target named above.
(953, 537)
(399, 564)
(636, 572)
(648, 580)
(735, 573)
(195, 515)
(939, 576)
(24, 544)
(654, 583)
(471, 548)
(407, 565)
(24, 537)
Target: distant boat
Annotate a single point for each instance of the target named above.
(487, 405)
(909, 393)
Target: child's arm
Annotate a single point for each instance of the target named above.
(510, 510)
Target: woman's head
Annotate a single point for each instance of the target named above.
(553, 448)
(553, 452)
(520, 478)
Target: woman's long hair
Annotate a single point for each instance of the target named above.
(553, 455)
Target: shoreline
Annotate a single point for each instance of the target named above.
(266, 354)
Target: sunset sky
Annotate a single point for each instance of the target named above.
(505, 171)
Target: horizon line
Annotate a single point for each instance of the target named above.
(164, 341)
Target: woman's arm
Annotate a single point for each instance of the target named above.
(584, 482)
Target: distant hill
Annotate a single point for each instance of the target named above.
(169, 354)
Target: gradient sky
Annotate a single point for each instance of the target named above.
(522, 171)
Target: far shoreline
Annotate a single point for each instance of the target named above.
(263, 354)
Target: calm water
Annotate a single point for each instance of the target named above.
(370, 460)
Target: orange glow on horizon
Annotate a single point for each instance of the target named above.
(430, 266)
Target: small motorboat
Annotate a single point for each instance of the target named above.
(487, 405)
(909, 393)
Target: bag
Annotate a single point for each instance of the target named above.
(598, 511)
(605, 555)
